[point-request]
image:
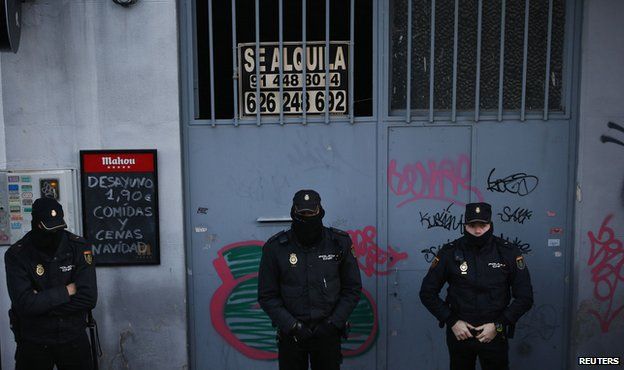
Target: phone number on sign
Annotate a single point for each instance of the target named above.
(271, 81)
(292, 102)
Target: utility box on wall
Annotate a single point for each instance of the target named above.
(24, 187)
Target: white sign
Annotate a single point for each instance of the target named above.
(293, 100)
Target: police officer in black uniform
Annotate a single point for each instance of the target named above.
(52, 285)
(483, 272)
(309, 283)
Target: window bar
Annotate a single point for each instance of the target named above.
(213, 119)
(234, 62)
(257, 57)
(281, 61)
(455, 37)
(432, 60)
(193, 79)
(501, 64)
(408, 93)
(548, 46)
(304, 58)
(524, 59)
(327, 51)
(478, 77)
(351, 58)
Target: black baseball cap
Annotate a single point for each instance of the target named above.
(48, 213)
(307, 201)
(478, 212)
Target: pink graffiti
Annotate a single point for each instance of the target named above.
(367, 250)
(606, 260)
(433, 180)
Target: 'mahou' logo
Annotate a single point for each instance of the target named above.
(118, 161)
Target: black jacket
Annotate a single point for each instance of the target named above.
(42, 310)
(308, 284)
(481, 283)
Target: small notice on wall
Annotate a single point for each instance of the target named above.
(120, 205)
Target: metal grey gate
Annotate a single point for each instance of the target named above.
(432, 173)
(488, 118)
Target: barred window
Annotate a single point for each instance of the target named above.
(506, 65)
(245, 32)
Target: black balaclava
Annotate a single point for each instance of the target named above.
(47, 223)
(308, 229)
(44, 240)
(479, 241)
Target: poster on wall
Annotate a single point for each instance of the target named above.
(23, 187)
(120, 206)
(293, 101)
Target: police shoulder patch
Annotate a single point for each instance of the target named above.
(88, 256)
(520, 263)
(353, 251)
(434, 263)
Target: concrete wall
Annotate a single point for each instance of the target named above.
(94, 75)
(598, 313)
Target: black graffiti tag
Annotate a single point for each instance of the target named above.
(443, 219)
(431, 252)
(539, 323)
(518, 183)
(525, 248)
(518, 215)
(609, 139)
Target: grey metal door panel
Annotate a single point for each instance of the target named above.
(525, 177)
(413, 336)
(240, 174)
(429, 173)
(429, 170)
(522, 170)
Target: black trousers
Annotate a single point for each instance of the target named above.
(74, 355)
(463, 353)
(321, 353)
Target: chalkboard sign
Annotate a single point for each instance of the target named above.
(120, 205)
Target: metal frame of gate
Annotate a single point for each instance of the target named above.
(382, 116)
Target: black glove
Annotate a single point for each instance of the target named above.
(325, 329)
(300, 332)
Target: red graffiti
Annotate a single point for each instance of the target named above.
(366, 249)
(447, 180)
(606, 260)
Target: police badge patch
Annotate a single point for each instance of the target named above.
(464, 268)
(520, 263)
(40, 270)
(88, 257)
(293, 259)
